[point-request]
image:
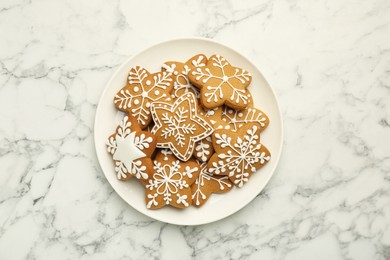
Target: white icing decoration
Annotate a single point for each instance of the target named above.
(182, 200)
(210, 112)
(167, 180)
(142, 142)
(239, 95)
(186, 87)
(137, 75)
(198, 62)
(121, 170)
(203, 149)
(240, 157)
(125, 148)
(169, 69)
(166, 152)
(152, 200)
(176, 127)
(189, 171)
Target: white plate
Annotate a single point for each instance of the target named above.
(219, 205)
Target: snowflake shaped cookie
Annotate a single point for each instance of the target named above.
(238, 154)
(179, 71)
(141, 90)
(234, 119)
(221, 83)
(179, 125)
(208, 183)
(131, 150)
(171, 182)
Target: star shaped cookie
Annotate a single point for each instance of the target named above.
(131, 150)
(221, 83)
(179, 125)
(141, 90)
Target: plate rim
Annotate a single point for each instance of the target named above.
(153, 45)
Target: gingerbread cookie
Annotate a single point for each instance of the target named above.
(170, 184)
(238, 154)
(179, 125)
(234, 119)
(131, 150)
(221, 83)
(208, 183)
(179, 72)
(141, 90)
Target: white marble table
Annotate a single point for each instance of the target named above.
(329, 62)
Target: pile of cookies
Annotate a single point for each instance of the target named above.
(200, 116)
